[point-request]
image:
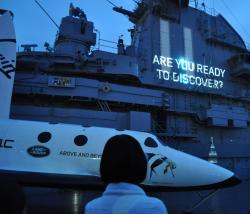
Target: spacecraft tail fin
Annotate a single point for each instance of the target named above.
(7, 62)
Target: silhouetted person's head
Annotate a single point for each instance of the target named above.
(12, 198)
(123, 160)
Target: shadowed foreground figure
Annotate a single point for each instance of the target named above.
(123, 166)
(12, 198)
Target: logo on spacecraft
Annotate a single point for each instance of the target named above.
(38, 151)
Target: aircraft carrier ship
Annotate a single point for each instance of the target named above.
(184, 77)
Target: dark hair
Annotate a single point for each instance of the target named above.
(12, 197)
(123, 160)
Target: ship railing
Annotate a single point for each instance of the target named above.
(201, 6)
(106, 44)
(158, 129)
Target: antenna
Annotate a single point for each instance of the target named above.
(136, 2)
(236, 18)
(111, 3)
(46, 13)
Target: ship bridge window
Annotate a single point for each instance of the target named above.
(150, 142)
(80, 140)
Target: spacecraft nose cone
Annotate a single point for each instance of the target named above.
(232, 181)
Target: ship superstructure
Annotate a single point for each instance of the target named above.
(184, 77)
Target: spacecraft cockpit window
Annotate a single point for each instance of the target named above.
(154, 143)
(80, 140)
(150, 142)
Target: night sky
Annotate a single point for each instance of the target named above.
(34, 27)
